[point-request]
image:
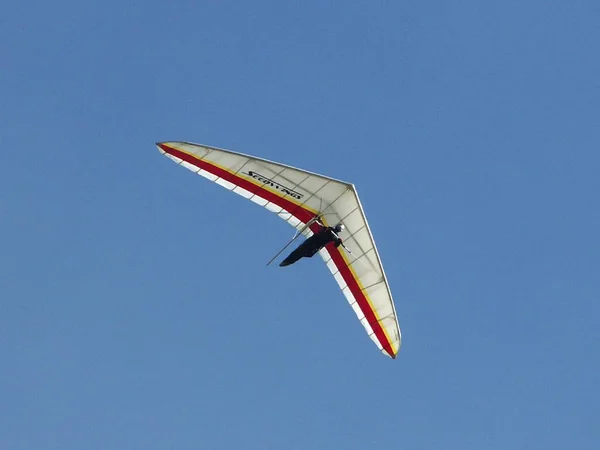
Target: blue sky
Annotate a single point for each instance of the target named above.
(136, 311)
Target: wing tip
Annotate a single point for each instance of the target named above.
(392, 350)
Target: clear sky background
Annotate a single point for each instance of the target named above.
(136, 311)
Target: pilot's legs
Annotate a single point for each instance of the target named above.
(301, 252)
(292, 257)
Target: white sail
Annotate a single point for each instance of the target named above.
(298, 196)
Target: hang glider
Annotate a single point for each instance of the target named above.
(300, 198)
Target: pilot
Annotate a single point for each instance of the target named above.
(316, 242)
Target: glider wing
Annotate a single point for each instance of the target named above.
(298, 196)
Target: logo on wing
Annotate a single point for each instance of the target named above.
(280, 187)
